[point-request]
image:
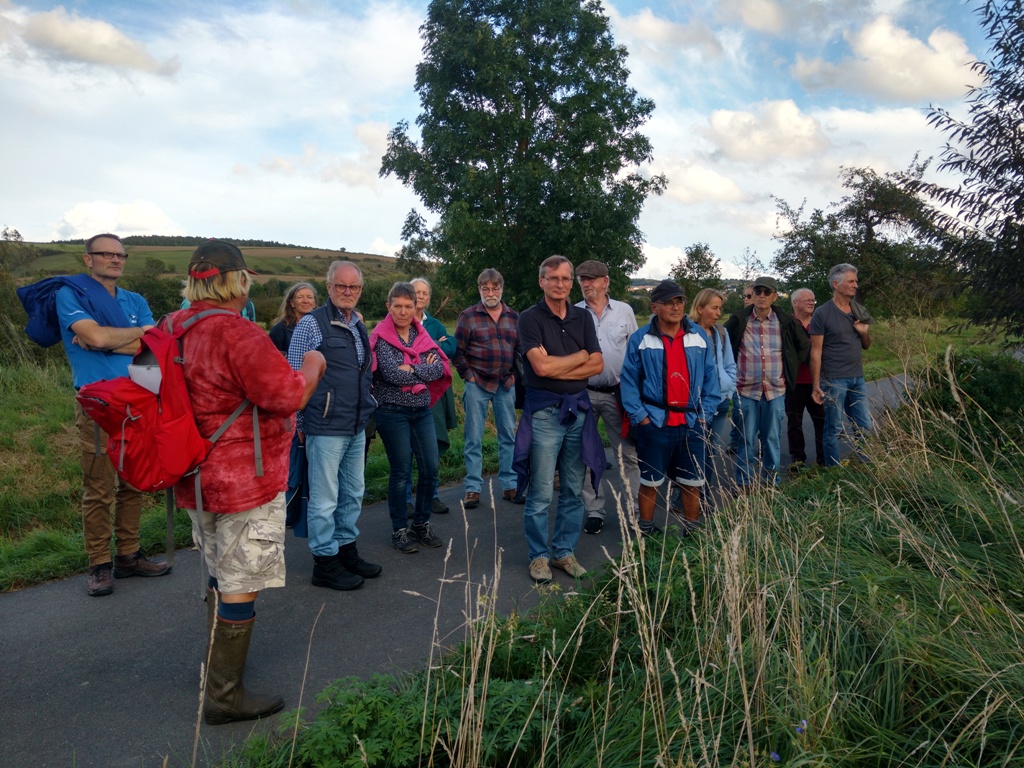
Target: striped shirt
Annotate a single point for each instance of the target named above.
(759, 366)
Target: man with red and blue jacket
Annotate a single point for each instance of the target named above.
(669, 386)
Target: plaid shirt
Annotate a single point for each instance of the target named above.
(759, 366)
(485, 350)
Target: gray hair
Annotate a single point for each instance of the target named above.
(836, 273)
(402, 290)
(490, 275)
(554, 262)
(424, 281)
(336, 265)
(799, 292)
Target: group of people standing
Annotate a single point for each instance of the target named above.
(316, 381)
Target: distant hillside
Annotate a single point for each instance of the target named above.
(269, 260)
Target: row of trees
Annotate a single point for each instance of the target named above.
(529, 143)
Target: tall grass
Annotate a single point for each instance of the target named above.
(872, 615)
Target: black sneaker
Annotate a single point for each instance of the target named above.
(425, 535)
(593, 525)
(403, 542)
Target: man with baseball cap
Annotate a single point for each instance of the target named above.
(670, 390)
(769, 346)
(100, 325)
(615, 323)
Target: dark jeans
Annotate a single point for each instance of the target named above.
(406, 432)
(798, 399)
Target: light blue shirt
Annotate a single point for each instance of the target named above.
(614, 327)
(90, 366)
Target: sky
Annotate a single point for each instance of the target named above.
(268, 119)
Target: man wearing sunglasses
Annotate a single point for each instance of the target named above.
(100, 325)
(769, 346)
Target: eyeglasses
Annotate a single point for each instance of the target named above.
(489, 289)
(763, 291)
(562, 280)
(342, 288)
(808, 301)
(112, 255)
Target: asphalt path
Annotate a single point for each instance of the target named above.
(113, 682)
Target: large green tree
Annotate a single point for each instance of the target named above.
(698, 268)
(529, 142)
(984, 214)
(879, 226)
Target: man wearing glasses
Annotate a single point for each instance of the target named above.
(558, 429)
(615, 323)
(100, 326)
(799, 399)
(769, 346)
(332, 426)
(486, 338)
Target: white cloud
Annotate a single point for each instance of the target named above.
(69, 38)
(690, 182)
(760, 15)
(889, 64)
(648, 36)
(140, 217)
(775, 130)
(383, 247)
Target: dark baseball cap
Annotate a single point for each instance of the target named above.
(767, 282)
(215, 257)
(666, 290)
(592, 268)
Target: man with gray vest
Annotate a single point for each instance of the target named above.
(332, 426)
(615, 323)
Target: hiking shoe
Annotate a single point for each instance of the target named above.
(511, 495)
(101, 580)
(438, 507)
(593, 525)
(471, 500)
(348, 556)
(403, 542)
(539, 570)
(570, 565)
(656, 531)
(137, 564)
(329, 572)
(425, 535)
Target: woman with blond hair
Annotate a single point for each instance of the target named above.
(298, 301)
(705, 311)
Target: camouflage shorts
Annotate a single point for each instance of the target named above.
(244, 551)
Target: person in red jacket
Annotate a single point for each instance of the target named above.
(239, 517)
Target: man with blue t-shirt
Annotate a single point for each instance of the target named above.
(100, 327)
(840, 332)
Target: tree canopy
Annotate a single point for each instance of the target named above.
(699, 268)
(529, 143)
(882, 228)
(984, 214)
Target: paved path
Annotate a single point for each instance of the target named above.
(112, 682)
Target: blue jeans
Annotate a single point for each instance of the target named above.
(335, 466)
(406, 432)
(475, 400)
(760, 418)
(847, 396)
(554, 446)
(716, 428)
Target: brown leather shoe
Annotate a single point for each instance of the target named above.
(137, 564)
(471, 500)
(511, 495)
(101, 580)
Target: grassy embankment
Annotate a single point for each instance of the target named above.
(865, 616)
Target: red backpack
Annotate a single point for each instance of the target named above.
(154, 440)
